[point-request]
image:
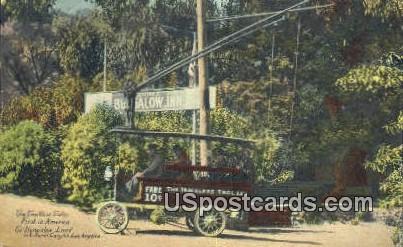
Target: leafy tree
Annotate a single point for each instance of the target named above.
(53, 106)
(384, 8)
(334, 42)
(163, 34)
(388, 162)
(80, 44)
(27, 11)
(226, 123)
(172, 121)
(379, 87)
(164, 121)
(371, 78)
(27, 56)
(112, 82)
(113, 9)
(30, 159)
(128, 158)
(86, 151)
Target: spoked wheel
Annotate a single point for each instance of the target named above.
(211, 224)
(112, 217)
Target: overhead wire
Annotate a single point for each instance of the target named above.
(294, 88)
(234, 17)
(216, 45)
(273, 42)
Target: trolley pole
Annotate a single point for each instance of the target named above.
(203, 81)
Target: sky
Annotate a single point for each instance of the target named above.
(72, 6)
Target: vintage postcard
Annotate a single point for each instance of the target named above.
(201, 123)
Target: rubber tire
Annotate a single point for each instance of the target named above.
(122, 226)
(198, 229)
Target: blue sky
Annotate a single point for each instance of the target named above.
(72, 6)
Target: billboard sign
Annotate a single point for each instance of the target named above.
(164, 100)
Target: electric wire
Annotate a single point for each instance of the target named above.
(295, 79)
(207, 50)
(227, 18)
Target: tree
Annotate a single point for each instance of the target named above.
(334, 42)
(384, 8)
(27, 55)
(27, 58)
(30, 159)
(80, 44)
(86, 151)
(27, 11)
(53, 106)
(388, 162)
(379, 87)
(162, 35)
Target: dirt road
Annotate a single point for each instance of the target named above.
(28, 221)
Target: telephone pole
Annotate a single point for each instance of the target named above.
(105, 64)
(203, 81)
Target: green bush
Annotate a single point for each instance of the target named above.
(128, 158)
(29, 159)
(158, 216)
(227, 123)
(86, 151)
(397, 236)
(371, 79)
(172, 121)
(51, 106)
(388, 162)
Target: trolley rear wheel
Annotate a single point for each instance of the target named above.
(211, 224)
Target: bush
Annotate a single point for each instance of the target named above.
(158, 216)
(172, 121)
(29, 159)
(387, 162)
(128, 158)
(86, 151)
(397, 236)
(51, 106)
(227, 123)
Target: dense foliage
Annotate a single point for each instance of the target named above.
(29, 159)
(86, 151)
(380, 89)
(51, 106)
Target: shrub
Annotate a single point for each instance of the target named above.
(158, 216)
(388, 162)
(86, 151)
(397, 236)
(29, 159)
(172, 121)
(128, 158)
(51, 106)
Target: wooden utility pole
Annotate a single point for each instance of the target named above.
(203, 81)
(105, 64)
